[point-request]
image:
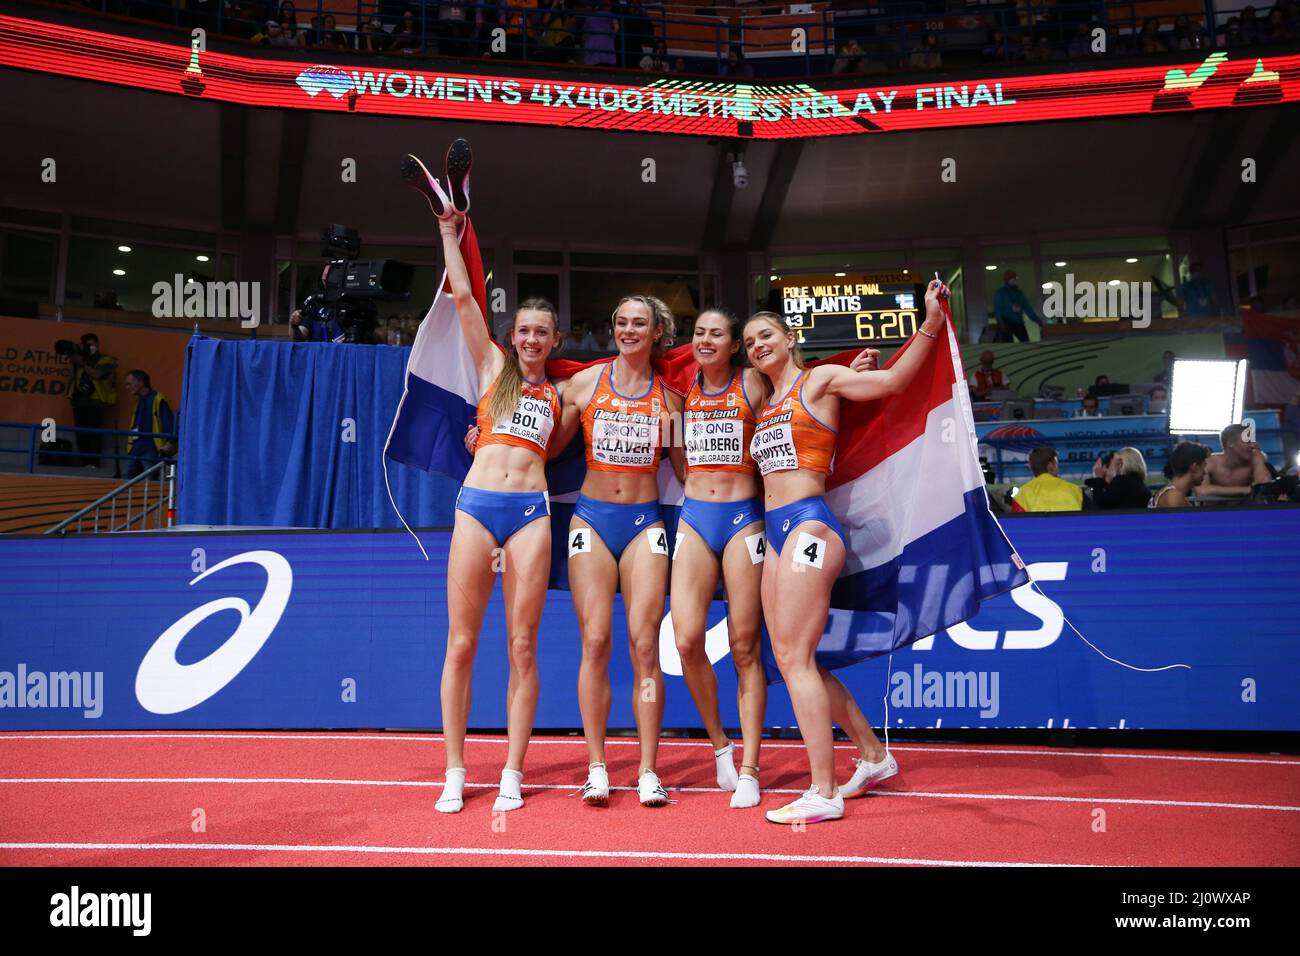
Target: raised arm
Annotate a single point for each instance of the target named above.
(864, 386)
(486, 355)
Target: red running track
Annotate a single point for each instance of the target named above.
(295, 799)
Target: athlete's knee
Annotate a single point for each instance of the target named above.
(745, 650)
(645, 653)
(596, 645)
(690, 643)
(460, 649)
(523, 650)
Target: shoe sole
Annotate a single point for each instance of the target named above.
(596, 801)
(415, 175)
(656, 802)
(820, 819)
(868, 787)
(459, 160)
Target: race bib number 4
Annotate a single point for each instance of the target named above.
(809, 550)
(658, 540)
(580, 541)
(773, 449)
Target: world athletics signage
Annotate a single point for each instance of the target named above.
(682, 106)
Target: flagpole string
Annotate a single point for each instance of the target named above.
(400, 516)
(1113, 660)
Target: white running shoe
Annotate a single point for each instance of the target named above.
(650, 790)
(747, 793)
(868, 776)
(453, 789)
(811, 807)
(595, 792)
(726, 766)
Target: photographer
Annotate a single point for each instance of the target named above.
(92, 392)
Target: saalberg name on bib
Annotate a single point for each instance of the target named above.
(714, 442)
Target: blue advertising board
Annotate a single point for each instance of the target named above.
(347, 629)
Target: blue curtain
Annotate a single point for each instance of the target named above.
(292, 435)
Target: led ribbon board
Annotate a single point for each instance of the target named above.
(686, 107)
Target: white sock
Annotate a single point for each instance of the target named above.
(453, 790)
(726, 766)
(510, 797)
(747, 793)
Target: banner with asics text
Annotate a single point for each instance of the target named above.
(336, 629)
(685, 106)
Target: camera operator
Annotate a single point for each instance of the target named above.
(315, 327)
(92, 392)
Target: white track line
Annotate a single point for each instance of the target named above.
(310, 781)
(399, 736)
(484, 851)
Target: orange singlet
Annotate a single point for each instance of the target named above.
(531, 423)
(719, 427)
(622, 432)
(788, 436)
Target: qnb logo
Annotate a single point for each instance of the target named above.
(1051, 618)
(163, 685)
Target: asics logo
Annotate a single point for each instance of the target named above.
(786, 525)
(163, 685)
(529, 510)
(639, 520)
(740, 516)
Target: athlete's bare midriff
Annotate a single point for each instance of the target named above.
(621, 487)
(705, 485)
(507, 468)
(781, 488)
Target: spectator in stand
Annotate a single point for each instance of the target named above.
(1166, 374)
(656, 62)
(1251, 34)
(152, 414)
(409, 327)
(1080, 46)
(1159, 394)
(679, 66)
(1234, 472)
(1047, 491)
(599, 32)
(330, 37)
(997, 50)
(1097, 382)
(1188, 35)
(1232, 39)
(393, 333)
(1120, 482)
(406, 38)
(1185, 470)
(1276, 29)
(588, 341)
(1198, 296)
(849, 60)
(559, 33)
(1291, 429)
(1010, 305)
(928, 56)
(1149, 40)
(986, 378)
(735, 66)
(1089, 409)
(638, 33)
(372, 37)
(93, 394)
(453, 29)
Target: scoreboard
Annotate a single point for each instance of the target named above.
(847, 311)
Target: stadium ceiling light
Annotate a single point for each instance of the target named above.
(774, 278)
(990, 268)
(123, 248)
(119, 272)
(201, 258)
(1206, 396)
(904, 272)
(1131, 259)
(1047, 287)
(1060, 264)
(1113, 282)
(840, 275)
